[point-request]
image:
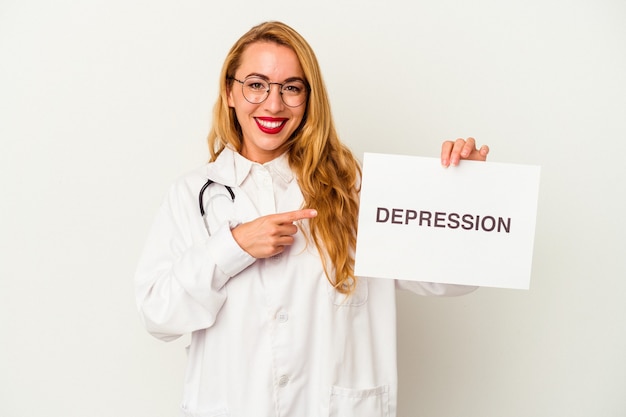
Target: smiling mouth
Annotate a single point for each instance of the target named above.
(270, 125)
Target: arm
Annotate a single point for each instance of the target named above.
(435, 289)
(182, 272)
(182, 275)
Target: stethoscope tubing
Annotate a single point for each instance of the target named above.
(203, 189)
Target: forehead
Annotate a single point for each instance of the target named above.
(276, 62)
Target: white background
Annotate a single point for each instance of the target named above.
(104, 103)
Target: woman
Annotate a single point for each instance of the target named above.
(253, 253)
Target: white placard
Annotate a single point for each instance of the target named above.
(473, 224)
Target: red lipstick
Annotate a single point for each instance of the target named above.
(271, 125)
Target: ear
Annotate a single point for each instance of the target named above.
(231, 100)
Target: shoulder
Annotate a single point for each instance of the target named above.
(189, 184)
(190, 181)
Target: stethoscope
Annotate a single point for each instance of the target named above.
(204, 187)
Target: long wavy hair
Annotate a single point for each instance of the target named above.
(326, 170)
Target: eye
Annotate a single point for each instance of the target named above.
(256, 85)
(294, 88)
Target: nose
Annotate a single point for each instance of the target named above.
(274, 100)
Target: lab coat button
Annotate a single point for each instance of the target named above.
(282, 316)
(282, 381)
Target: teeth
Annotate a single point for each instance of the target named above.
(269, 124)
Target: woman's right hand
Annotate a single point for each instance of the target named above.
(269, 235)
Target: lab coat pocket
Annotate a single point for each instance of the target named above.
(221, 412)
(357, 298)
(346, 402)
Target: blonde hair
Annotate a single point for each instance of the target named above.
(326, 170)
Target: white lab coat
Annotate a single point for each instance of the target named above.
(269, 337)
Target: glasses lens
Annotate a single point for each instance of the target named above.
(255, 90)
(294, 93)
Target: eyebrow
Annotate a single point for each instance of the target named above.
(266, 78)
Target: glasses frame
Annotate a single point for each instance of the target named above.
(269, 88)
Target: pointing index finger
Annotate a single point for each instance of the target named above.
(293, 216)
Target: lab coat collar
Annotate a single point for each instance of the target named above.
(230, 168)
(280, 166)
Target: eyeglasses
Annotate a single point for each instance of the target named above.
(256, 90)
